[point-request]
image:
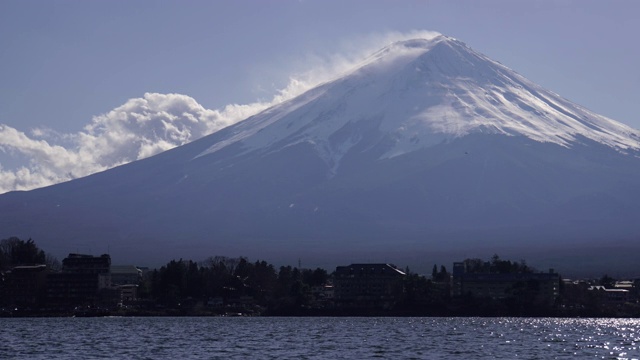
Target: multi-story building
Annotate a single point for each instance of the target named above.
(367, 286)
(80, 280)
(544, 287)
(25, 286)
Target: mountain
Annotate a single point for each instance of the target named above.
(426, 152)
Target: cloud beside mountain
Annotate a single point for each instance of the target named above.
(139, 128)
(145, 126)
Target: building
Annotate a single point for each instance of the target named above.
(629, 285)
(125, 275)
(79, 282)
(25, 286)
(609, 296)
(128, 293)
(374, 286)
(543, 288)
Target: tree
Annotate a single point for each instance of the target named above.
(317, 277)
(475, 265)
(16, 252)
(441, 276)
(263, 280)
(443, 270)
(52, 262)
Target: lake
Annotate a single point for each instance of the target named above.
(317, 338)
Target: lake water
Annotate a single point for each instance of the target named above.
(318, 338)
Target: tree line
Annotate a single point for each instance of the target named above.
(16, 252)
(231, 279)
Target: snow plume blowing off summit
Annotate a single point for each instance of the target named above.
(426, 151)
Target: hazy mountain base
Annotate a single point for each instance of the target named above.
(474, 195)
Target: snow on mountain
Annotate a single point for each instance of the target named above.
(423, 92)
(427, 150)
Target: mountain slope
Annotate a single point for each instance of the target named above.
(427, 148)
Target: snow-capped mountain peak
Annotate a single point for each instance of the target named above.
(427, 146)
(417, 93)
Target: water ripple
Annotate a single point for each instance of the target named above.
(319, 338)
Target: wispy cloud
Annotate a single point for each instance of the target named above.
(145, 126)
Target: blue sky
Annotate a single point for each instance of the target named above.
(74, 74)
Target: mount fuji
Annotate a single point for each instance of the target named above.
(425, 152)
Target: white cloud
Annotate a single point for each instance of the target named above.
(145, 126)
(139, 128)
